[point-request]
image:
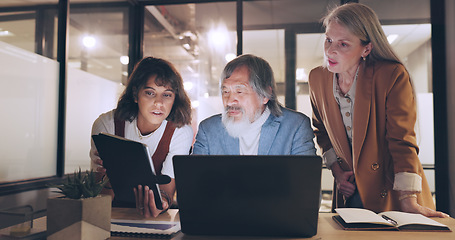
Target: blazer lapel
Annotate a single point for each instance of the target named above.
(362, 106)
(230, 144)
(270, 128)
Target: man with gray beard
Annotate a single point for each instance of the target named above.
(253, 122)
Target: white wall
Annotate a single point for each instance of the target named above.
(418, 64)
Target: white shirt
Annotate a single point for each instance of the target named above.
(249, 141)
(180, 144)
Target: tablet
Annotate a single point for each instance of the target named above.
(128, 164)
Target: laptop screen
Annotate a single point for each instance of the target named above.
(248, 195)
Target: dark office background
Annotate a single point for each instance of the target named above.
(287, 33)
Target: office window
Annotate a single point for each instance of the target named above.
(34, 30)
(29, 100)
(18, 29)
(97, 67)
(271, 31)
(199, 39)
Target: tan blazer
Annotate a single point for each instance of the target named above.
(383, 137)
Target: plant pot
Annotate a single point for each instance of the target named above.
(88, 218)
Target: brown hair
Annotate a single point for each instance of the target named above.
(166, 75)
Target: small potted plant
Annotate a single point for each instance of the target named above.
(81, 213)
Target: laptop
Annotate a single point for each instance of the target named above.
(248, 195)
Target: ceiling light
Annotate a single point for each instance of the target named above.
(188, 86)
(391, 38)
(89, 41)
(301, 75)
(5, 33)
(124, 60)
(229, 56)
(218, 36)
(195, 104)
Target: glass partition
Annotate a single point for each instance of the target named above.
(268, 44)
(97, 68)
(29, 96)
(29, 103)
(88, 96)
(18, 29)
(98, 41)
(199, 39)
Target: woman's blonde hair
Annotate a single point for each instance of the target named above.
(363, 22)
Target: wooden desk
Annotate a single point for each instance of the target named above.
(327, 229)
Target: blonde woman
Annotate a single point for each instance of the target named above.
(364, 112)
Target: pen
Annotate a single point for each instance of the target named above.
(389, 220)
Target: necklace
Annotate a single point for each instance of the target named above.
(139, 134)
(355, 76)
(350, 85)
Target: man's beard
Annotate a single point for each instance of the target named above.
(237, 128)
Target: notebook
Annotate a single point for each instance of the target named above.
(248, 195)
(157, 228)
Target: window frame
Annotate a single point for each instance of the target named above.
(135, 39)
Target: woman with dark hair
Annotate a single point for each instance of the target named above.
(364, 113)
(154, 109)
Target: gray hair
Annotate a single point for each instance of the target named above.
(261, 78)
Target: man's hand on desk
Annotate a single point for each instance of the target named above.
(145, 202)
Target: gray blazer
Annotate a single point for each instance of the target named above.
(288, 134)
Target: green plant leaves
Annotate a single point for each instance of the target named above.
(82, 185)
